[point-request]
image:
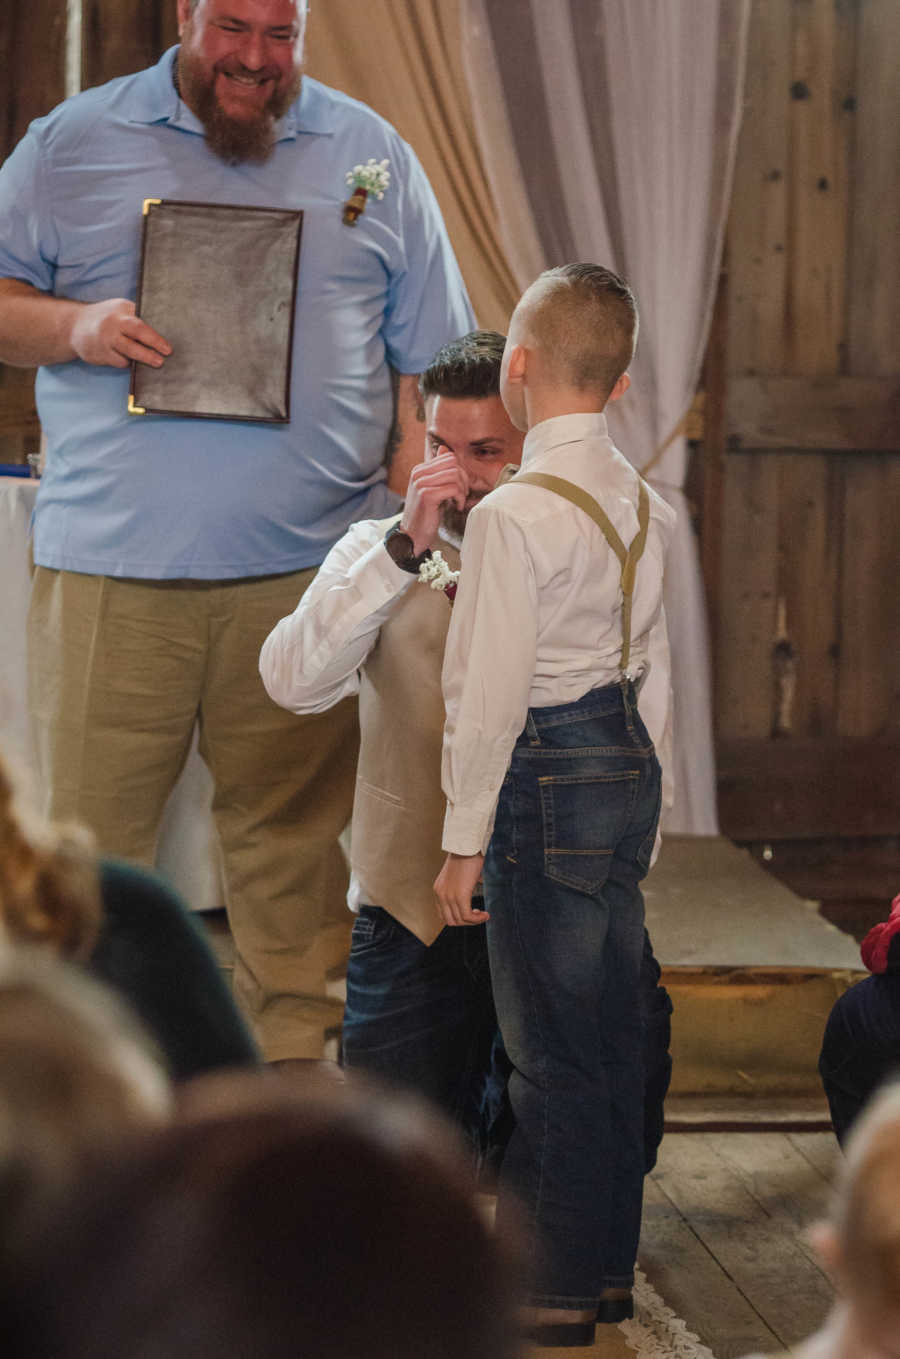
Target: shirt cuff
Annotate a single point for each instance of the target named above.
(378, 577)
(467, 830)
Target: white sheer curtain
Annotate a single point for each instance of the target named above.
(608, 129)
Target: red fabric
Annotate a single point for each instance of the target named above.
(876, 946)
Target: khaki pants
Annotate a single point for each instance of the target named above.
(119, 670)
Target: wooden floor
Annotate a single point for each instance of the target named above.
(723, 1240)
(725, 1212)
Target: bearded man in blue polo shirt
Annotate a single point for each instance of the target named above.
(166, 548)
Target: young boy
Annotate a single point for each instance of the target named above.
(549, 768)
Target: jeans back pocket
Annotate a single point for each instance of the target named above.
(585, 816)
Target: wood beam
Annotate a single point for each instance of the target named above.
(823, 414)
(794, 789)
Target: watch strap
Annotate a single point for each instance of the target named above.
(400, 549)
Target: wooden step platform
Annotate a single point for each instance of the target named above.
(753, 971)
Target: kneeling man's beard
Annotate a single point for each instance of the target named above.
(229, 138)
(453, 520)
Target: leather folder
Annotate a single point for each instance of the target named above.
(220, 284)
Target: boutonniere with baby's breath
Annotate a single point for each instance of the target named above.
(371, 178)
(437, 574)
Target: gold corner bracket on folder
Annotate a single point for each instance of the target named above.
(150, 203)
(134, 409)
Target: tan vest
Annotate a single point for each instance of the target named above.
(398, 810)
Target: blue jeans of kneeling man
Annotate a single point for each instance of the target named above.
(422, 1018)
(574, 831)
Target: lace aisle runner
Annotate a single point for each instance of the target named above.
(655, 1331)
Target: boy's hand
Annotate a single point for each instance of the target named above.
(431, 485)
(454, 886)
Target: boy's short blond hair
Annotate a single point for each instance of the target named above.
(866, 1212)
(584, 319)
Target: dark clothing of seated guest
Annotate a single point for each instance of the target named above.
(861, 1044)
(152, 951)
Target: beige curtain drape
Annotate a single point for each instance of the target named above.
(404, 59)
(608, 130)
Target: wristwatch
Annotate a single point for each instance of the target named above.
(400, 549)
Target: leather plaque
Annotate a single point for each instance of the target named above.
(220, 284)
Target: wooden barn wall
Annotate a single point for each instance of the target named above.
(801, 502)
(33, 54)
(118, 36)
(807, 594)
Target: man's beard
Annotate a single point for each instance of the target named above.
(454, 520)
(233, 139)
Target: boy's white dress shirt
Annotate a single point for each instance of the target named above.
(537, 619)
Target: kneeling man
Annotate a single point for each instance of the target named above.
(419, 1009)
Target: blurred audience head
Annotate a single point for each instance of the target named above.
(76, 1073)
(271, 1220)
(860, 1243)
(49, 879)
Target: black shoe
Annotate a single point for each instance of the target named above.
(610, 1311)
(562, 1334)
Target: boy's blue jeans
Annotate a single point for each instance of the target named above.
(574, 831)
(423, 1019)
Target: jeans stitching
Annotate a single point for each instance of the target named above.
(628, 778)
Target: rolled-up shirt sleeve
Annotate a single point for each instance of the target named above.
(311, 659)
(489, 663)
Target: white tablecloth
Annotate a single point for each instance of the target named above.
(188, 849)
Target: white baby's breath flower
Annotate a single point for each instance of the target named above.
(369, 180)
(435, 573)
(374, 176)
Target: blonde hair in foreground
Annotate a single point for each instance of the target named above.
(866, 1212)
(49, 879)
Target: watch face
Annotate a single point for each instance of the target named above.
(399, 545)
(401, 549)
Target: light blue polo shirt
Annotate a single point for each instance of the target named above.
(160, 497)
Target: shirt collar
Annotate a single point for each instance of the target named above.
(158, 102)
(562, 429)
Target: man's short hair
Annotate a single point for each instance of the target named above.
(467, 367)
(585, 319)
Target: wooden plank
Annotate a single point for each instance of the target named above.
(121, 36)
(868, 694)
(757, 229)
(808, 788)
(762, 1257)
(844, 870)
(843, 414)
(821, 126)
(809, 560)
(750, 1031)
(789, 1187)
(748, 588)
(874, 336)
(688, 1277)
(714, 386)
(821, 1150)
(17, 412)
(33, 46)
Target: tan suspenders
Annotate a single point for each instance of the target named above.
(628, 557)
